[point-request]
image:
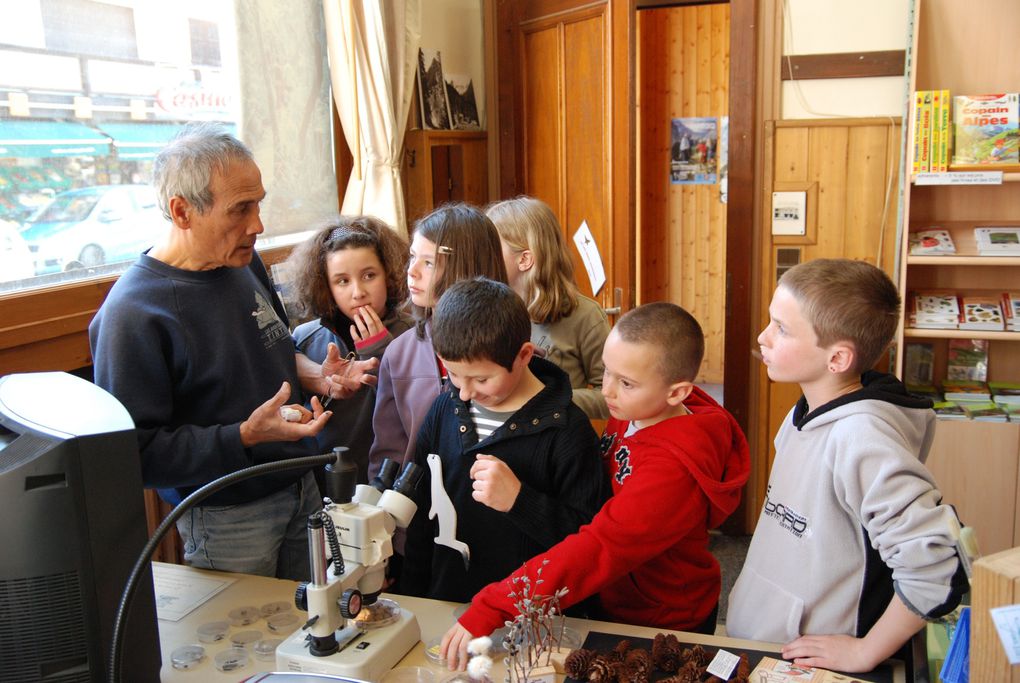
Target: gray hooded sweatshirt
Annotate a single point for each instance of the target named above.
(850, 515)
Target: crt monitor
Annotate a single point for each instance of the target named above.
(72, 524)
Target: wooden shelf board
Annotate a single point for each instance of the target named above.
(1007, 177)
(919, 333)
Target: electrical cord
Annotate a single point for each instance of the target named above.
(171, 519)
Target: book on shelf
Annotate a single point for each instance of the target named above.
(1012, 411)
(998, 240)
(947, 410)
(918, 364)
(924, 145)
(934, 240)
(1011, 309)
(981, 313)
(984, 411)
(1005, 392)
(936, 133)
(918, 124)
(935, 310)
(945, 133)
(967, 359)
(986, 129)
(965, 390)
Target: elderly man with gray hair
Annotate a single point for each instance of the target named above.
(193, 340)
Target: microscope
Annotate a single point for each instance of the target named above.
(351, 631)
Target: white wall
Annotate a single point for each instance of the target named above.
(832, 26)
(454, 27)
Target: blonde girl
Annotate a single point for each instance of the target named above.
(570, 327)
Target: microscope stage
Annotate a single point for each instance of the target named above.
(366, 657)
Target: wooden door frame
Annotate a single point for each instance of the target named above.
(747, 115)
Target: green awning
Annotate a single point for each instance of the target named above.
(50, 139)
(139, 140)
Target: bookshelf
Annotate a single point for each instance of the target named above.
(977, 465)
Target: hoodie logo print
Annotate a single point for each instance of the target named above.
(795, 523)
(623, 468)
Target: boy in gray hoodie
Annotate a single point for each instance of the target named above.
(853, 549)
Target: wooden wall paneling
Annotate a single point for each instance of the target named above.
(827, 165)
(584, 126)
(868, 228)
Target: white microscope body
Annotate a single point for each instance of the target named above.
(335, 639)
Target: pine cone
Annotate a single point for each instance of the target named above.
(699, 655)
(666, 652)
(636, 666)
(620, 651)
(578, 662)
(690, 672)
(601, 670)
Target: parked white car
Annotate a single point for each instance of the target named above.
(92, 226)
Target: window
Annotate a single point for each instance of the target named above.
(89, 27)
(91, 90)
(205, 42)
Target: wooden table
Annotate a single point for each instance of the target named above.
(434, 618)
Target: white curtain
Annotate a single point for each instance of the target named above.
(373, 54)
(285, 114)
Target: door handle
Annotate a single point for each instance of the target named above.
(617, 306)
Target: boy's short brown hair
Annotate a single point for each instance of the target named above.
(674, 333)
(480, 319)
(847, 301)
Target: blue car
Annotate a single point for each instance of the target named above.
(93, 226)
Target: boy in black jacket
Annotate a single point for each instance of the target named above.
(517, 459)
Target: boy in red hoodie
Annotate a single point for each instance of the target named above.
(677, 462)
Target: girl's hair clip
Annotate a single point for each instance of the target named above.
(445, 250)
(343, 232)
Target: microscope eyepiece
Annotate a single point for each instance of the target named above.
(387, 473)
(409, 479)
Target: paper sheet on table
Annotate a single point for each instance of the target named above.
(180, 590)
(590, 256)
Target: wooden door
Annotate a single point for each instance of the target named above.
(683, 72)
(565, 116)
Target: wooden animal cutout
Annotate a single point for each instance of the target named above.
(442, 507)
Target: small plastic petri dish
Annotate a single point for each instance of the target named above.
(231, 659)
(271, 608)
(432, 652)
(409, 674)
(242, 616)
(187, 657)
(244, 639)
(213, 632)
(284, 622)
(265, 649)
(382, 612)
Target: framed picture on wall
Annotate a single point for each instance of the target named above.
(693, 158)
(435, 109)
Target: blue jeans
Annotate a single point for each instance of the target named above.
(268, 537)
